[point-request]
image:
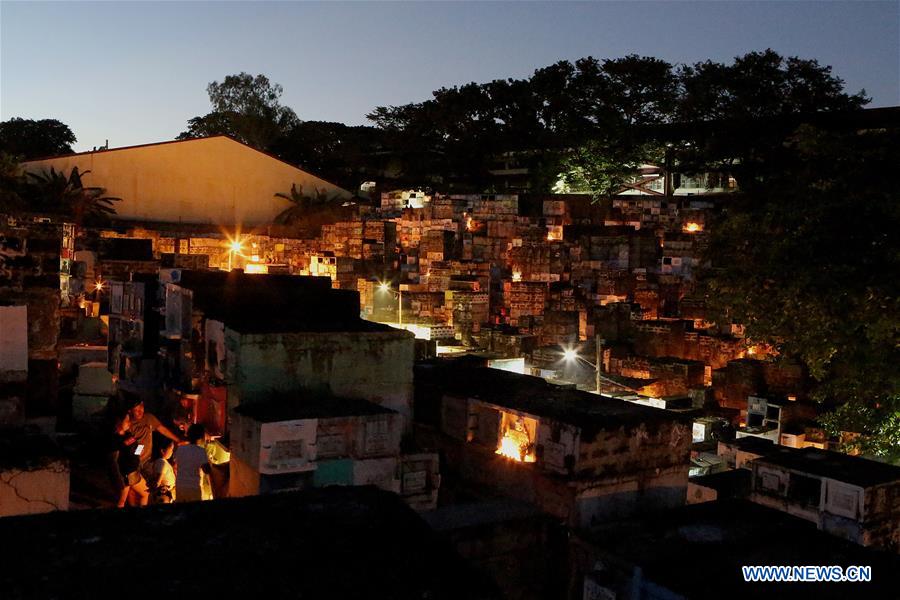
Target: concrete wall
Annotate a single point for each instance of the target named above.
(243, 480)
(634, 449)
(13, 342)
(209, 180)
(34, 491)
(648, 490)
(697, 494)
(881, 511)
(374, 366)
(287, 446)
(43, 319)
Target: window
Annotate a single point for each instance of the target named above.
(803, 490)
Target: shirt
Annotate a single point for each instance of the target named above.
(163, 471)
(143, 432)
(123, 460)
(189, 458)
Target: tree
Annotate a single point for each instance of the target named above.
(601, 166)
(805, 259)
(210, 124)
(738, 116)
(580, 112)
(245, 107)
(617, 96)
(11, 183)
(55, 192)
(600, 117)
(29, 138)
(339, 153)
(308, 213)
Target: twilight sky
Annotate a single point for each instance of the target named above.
(135, 72)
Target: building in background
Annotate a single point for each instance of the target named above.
(214, 180)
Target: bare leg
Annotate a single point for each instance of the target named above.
(123, 496)
(141, 492)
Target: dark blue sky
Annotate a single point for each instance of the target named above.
(135, 72)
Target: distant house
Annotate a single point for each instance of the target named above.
(213, 180)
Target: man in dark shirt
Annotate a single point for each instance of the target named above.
(124, 461)
(143, 424)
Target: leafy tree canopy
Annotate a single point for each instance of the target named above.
(28, 138)
(245, 107)
(752, 106)
(806, 260)
(596, 114)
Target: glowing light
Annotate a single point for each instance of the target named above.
(256, 269)
(515, 445)
(570, 354)
(98, 286)
(235, 246)
(692, 227)
(517, 275)
(384, 287)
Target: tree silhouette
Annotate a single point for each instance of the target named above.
(54, 191)
(309, 212)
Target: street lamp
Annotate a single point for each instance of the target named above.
(234, 247)
(98, 287)
(571, 356)
(385, 287)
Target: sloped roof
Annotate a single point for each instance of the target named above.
(214, 180)
(168, 142)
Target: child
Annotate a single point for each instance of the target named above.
(192, 466)
(162, 475)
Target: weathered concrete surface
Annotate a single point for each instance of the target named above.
(43, 319)
(26, 492)
(374, 366)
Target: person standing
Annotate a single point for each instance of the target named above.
(192, 466)
(143, 424)
(124, 463)
(162, 475)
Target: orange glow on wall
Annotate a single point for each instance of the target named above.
(692, 227)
